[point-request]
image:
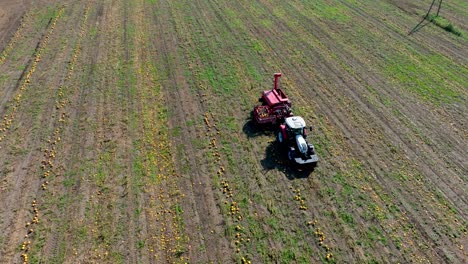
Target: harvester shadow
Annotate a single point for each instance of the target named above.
(252, 130)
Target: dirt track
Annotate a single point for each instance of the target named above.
(125, 132)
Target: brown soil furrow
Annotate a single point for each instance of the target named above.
(64, 105)
(202, 92)
(241, 169)
(82, 113)
(132, 200)
(22, 56)
(127, 137)
(331, 106)
(114, 216)
(32, 185)
(25, 73)
(83, 116)
(19, 28)
(278, 55)
(146, 220)
(200, 197)
(13, 106)
(52, 125)
(233, 111)
(426, 43)
(82, 146)
(400, 129)
(275, 184)
(282, 186)
(364, 153)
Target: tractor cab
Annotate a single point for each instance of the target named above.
(293, 134)
(292, 127)
(296, 126)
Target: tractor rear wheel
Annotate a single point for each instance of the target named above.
(280, 137)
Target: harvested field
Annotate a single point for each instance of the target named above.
(125, 132)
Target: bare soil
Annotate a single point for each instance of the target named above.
(126, 134)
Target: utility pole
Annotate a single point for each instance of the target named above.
(430, 8)
(419, 25)
(438, 9)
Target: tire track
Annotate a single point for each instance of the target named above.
(344, 120)
(411, 148)
(48, 168)
(16, 36)
(331, 107)
(60, 142)
(15, 69)
(22, 185)
(9, 117)
(319, 232)
(207, 26)
(204, 211)
(112, 222)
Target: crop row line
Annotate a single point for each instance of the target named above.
(166, 239)
(47, 166)
(319, 234)
(338, 154)
(8, 118)
(6, 51)
(233, 207)
(160, 168)
(205, 80)
(160, 178)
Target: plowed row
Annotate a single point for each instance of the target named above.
(126, 133)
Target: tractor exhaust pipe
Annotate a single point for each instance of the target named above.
(277, 76)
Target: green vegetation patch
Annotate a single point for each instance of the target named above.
(444, 24)
(330, 10)
(418, 76)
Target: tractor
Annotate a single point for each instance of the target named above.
(275, 107)
(275, 111)
(292, 134)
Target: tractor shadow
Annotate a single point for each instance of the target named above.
(276, 157)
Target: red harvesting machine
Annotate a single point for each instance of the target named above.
(292, 131)
(275, 107)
